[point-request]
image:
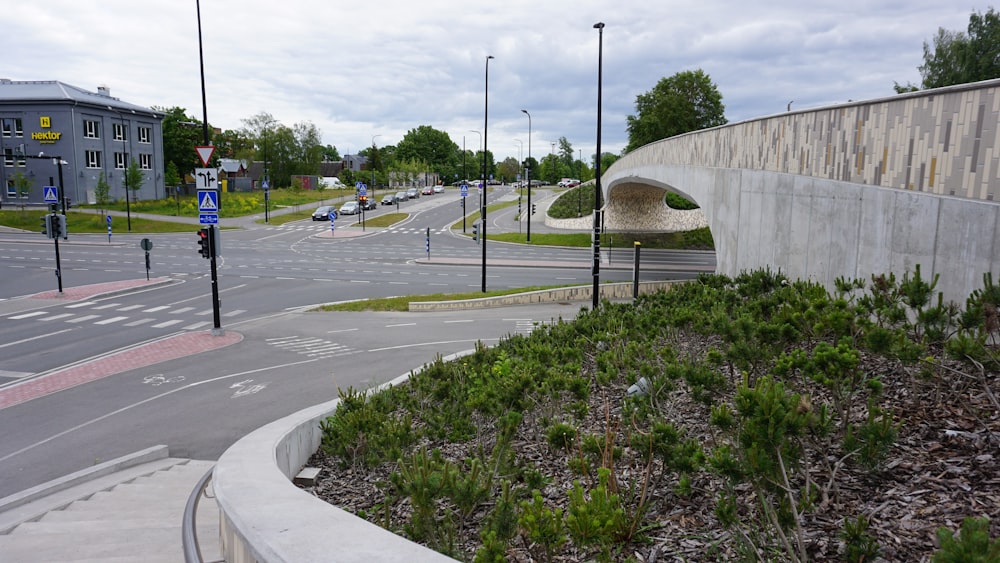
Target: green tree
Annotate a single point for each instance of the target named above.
(686, 101)
(433, 147)
(508, 169)
(330, 153)
(960, 58)
(181, 134)
(22, 185)
(134, 178)
(102, 191)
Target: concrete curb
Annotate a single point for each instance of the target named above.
(612, 291)
(257, 471)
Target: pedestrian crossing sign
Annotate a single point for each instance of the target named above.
(51, 196)
(208, 201)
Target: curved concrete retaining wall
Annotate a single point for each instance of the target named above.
(266, 519)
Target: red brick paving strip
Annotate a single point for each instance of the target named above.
(170, 348)
(88, 291)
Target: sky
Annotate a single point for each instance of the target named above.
(371, 70)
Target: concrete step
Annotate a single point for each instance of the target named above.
(208, 511)
(59, 546)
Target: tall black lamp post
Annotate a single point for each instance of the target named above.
(482, 210)
(597, 171)
(528, 172)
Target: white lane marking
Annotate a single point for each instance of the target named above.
(181, 310)
(341, 330)
(57, 317)
(427, 344)
(196, 326)
(234, 312)
(155, 309)
(108, 306)
(400, 324)
(83, 304)
(139, 322)
(34, 338)
(461, 321)
(130, 308)
(110, 321)
(27, 315)
(166, 324)
(83, 318)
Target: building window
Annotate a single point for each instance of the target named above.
(144, 134)
(146, 161)
(12, 127)
(120, 132)
(93, 159)
(8, 158)
(91, 129)
(121, 160)
(11, 189)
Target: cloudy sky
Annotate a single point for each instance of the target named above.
(382, 67)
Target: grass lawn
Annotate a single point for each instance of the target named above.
(402, 303)
(79, 223)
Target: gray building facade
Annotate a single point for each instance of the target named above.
(92, 132)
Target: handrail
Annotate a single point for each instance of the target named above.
(189, 531)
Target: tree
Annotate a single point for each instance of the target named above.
(181, 134)
(686, 101)
(508, 169)
(102, 191)
(22, 185)
(134, 178)
(960, 58)
(434, 148)
(330, 153)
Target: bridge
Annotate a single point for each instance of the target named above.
(849, 190)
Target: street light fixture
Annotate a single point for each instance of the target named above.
(482, 210)
(597, 171)
(528, 175)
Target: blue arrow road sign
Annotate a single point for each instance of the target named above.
(208, 201)
(51, 194)
(208, 218)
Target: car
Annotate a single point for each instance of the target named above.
(323, 213)
(428, 190)
(439, 189)
(350, 208)
(412, 193)
(390, 199)
(402, 196)
(368, 203)
(572, 183)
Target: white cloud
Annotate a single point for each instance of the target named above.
(384, 67)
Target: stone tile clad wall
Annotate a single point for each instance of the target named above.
(944, 141)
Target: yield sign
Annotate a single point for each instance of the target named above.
(205, 154)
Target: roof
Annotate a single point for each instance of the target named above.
(55, 91)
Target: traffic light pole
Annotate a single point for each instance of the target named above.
(58, 264)
(216, 317)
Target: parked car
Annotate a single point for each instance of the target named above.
(323, 213)
(389, 199)
(439, 189)
(402, 196)
(428, 190)
(572, 183)
(412, 193)
(368, 203)
(350, 208)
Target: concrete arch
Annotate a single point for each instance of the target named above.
(839, 191)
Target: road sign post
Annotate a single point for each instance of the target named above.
(333, 227)
(109, 229)
(146, 245)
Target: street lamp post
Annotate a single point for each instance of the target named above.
(525, 112)
(482, 210)
(597, 171)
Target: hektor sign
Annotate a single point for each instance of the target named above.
(46, 136)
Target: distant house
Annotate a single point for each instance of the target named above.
(233, 168)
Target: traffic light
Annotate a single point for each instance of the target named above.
(46, 225)
(204, 244)
(58, 226)
(532, 208)
(475, 231)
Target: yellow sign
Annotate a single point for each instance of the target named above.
(44, 122)
(46, 136)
